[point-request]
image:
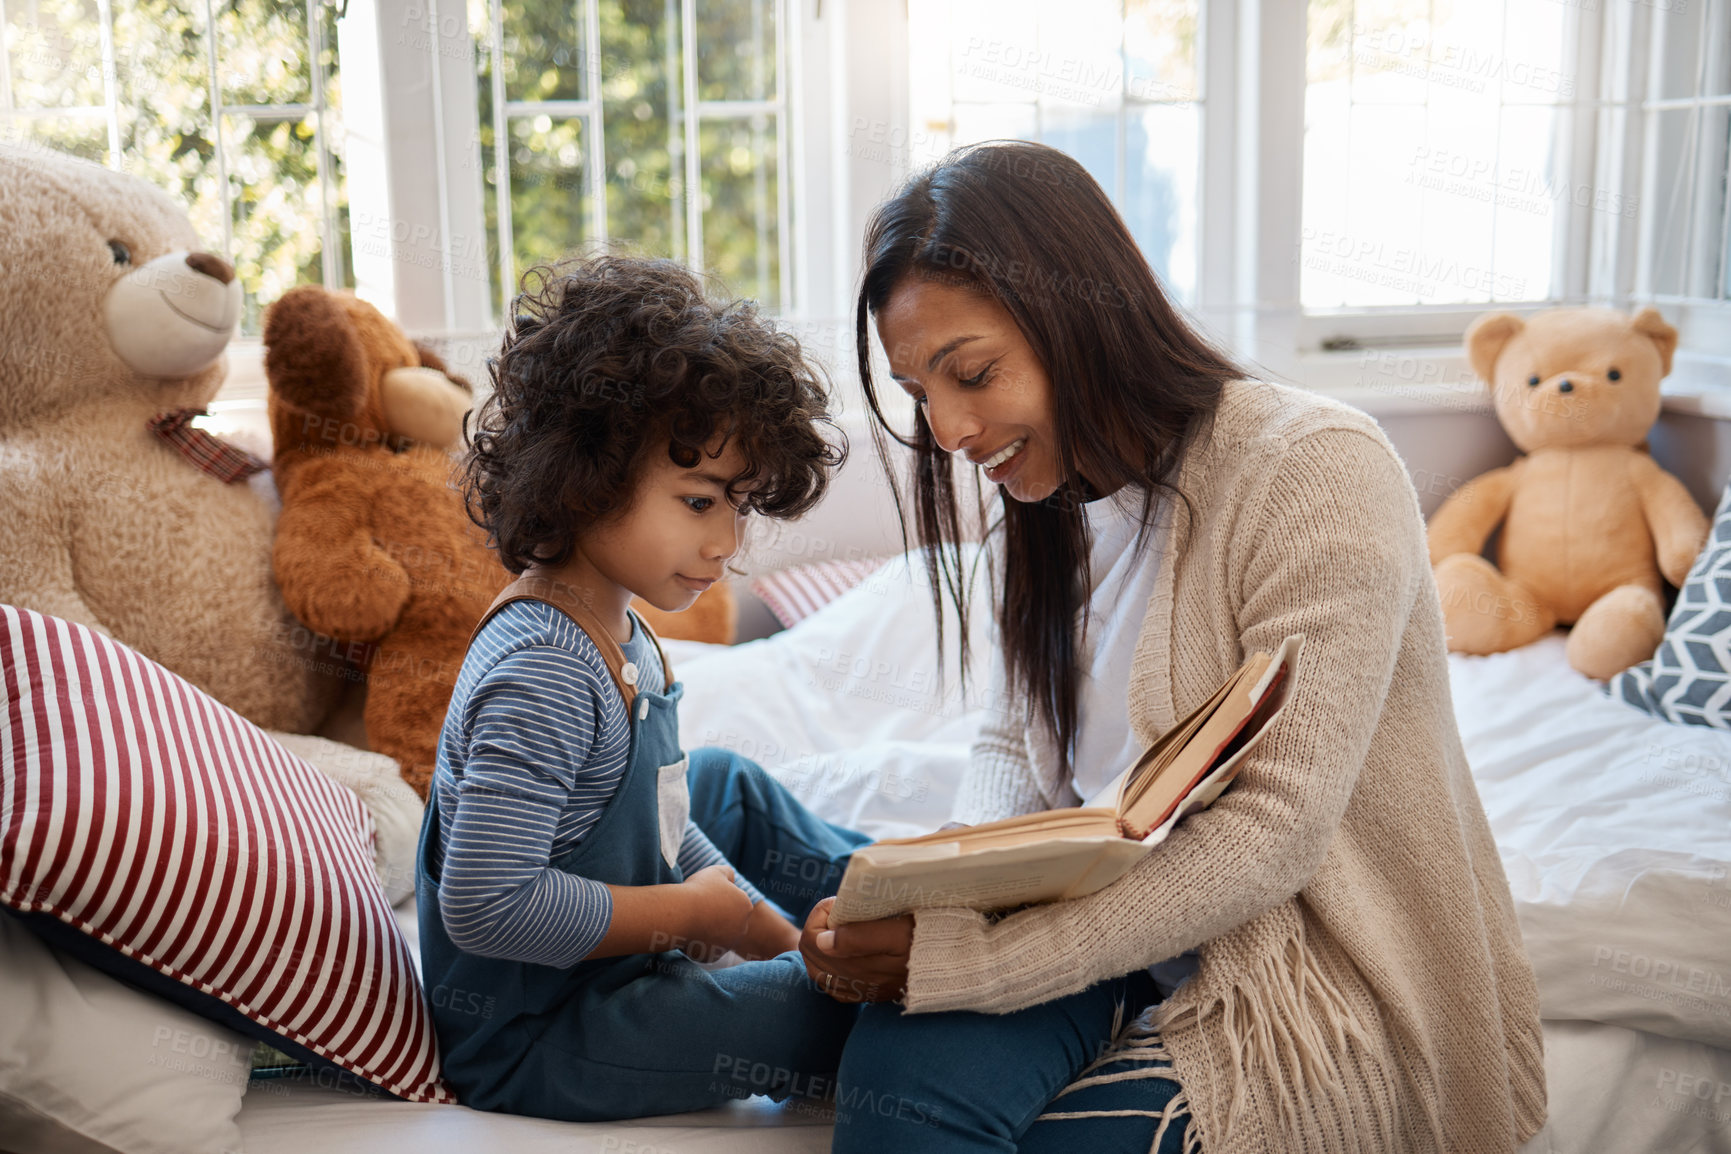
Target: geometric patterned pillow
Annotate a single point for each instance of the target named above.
(1689, 678)
(153, 833)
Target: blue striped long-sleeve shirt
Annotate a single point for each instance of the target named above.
(533, 747)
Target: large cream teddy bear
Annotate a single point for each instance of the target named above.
(1590, 524)
(119, 513)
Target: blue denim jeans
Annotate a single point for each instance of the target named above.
(936, 1083)
(963, 1081)
(793, 856)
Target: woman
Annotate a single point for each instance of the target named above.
(1358, 978)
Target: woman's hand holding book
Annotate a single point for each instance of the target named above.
(859, 962)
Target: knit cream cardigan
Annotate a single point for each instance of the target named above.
(1362, 985)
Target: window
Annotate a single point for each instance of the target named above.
(657, 123)
(232, 108)
(1436, 166)
(1115, 83)
(1460, 156)
(1685, 112)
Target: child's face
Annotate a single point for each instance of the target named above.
(675, 539)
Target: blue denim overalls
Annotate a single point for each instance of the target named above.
(629, 1036)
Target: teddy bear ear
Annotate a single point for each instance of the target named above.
(1485, 339)
(313, 357)
(1650, 324)
(432, 360)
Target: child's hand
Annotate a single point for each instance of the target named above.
(768, 935)
(718, 912)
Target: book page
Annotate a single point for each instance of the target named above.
(1026, 827)
(1068, 853)
(994, 879)
(1270, 694)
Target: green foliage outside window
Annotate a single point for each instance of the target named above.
(167, 134)
(545, 55)
(270, 163)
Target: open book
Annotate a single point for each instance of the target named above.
(1067, 853)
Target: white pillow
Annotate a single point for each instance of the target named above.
(851, 708)
(1615, 831)
(90, 1065)
(393, 802)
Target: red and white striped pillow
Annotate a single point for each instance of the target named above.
(196, 857)
(795, 594)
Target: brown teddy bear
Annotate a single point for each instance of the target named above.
(1590, 525)
(374, 544)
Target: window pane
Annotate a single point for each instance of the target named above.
(1534, 197)
(262, 52)
(81, 136)
(1113, 83)
(1678, 48)
(1390, 51)
(1434, 162)
(1160, 50)
(1079, 65)
(162, 86)
(1162, 145)
(736, 49)
(1533, 68)
(1358, 237)
(543, 47)
(278, 212)
(1090, 137)
(549, 189)
(641, 86)
(54, 52)
(976, 122)
(1688, 201)
(740, 236)
(993, 50)
(168, 137)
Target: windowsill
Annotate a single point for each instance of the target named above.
(1436, 380)
(1383, 382)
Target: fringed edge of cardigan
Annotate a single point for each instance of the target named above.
(1282, 1013)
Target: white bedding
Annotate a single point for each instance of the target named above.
(285, 1118)
(1615, 830)
(1612, 1091)
(851, 708)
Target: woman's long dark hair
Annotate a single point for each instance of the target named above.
(1026, 225)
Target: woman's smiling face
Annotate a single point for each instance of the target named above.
(983, 391)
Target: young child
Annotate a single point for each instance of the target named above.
(564, 873)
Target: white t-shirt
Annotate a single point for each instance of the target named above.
(1122, 580)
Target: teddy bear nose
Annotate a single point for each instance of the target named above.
(1566, 387)
(211, 266)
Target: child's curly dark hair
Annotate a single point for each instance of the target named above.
(609, 358)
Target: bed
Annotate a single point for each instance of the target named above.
(1615, 831)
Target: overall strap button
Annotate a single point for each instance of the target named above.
(642, 708)
(628, 673)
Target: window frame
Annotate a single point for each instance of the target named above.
(1601, 257)
(846, 87)
(1322, 330)
(331, 260)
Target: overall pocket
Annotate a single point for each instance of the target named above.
(673, 807)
